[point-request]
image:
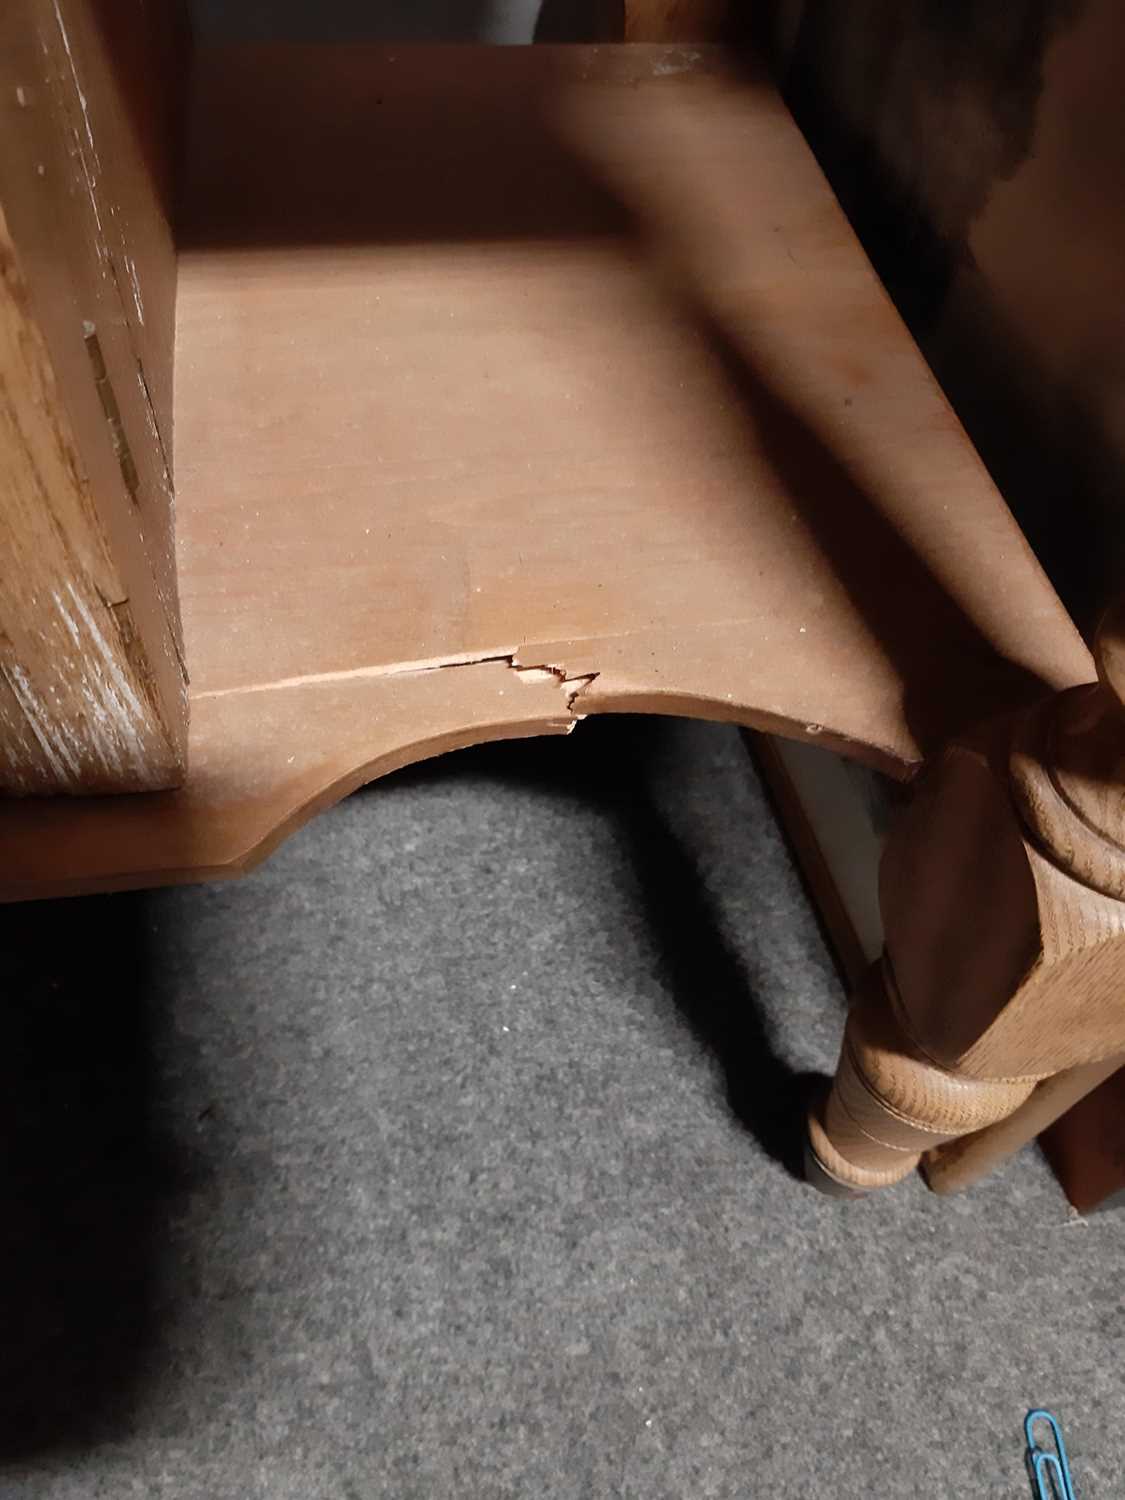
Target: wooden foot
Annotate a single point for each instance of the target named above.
(888, 1103)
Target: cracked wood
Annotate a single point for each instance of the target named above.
(461, 416)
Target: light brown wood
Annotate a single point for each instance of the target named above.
(814, 336)
(965, 1160)
(988, 931)
(95, 695)
(889, 1101)
(1005, 947)
(960, 1164)
(556, 454)
(460, 415)
(78, 707)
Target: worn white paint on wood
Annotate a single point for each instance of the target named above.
(78, 708)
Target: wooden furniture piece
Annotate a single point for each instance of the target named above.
(995, 1005)
(1004, 927)
(978, 158)
(454, 459)
(837, 817)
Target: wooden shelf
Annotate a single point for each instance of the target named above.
(454, 461)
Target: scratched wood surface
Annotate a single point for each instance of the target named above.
(457, 426)
(94, 694)
(79, 710)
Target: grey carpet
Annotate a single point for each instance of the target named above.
(447, 1156)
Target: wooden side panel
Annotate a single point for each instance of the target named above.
(454, 437)
(89, 307)
(79, 709)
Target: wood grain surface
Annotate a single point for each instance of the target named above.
(437, 404)
(953, 1167)
(997, 1003)
(85, 137)
(79, 710)
(262, 765)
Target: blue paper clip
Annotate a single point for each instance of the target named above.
(1050, 1472)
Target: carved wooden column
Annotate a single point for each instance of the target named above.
(1003, 897)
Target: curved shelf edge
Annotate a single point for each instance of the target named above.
(266, 761)
(616, 698)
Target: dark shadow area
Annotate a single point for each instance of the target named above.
(580, 21)
(82, 1175)
(916, 113)
(90, 1175)
(952, 674)
(1051, 457)
(136, 68)
(342, 20)
(975, 72)
(611, 763)
(245, 143)
(708, 983)
(382, 144)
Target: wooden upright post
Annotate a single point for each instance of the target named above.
(1003, 894)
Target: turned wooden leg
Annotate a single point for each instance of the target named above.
(1003, 898)
(889, 1104)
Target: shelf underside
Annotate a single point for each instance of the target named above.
(454, 461)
